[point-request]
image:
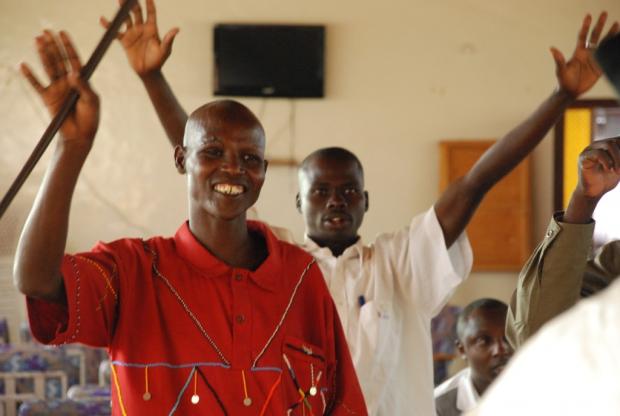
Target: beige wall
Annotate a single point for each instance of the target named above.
(401, 75)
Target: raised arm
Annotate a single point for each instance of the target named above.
(42, 242)
(575, 76)
(599, 173)
(146, 54)
(551, 280)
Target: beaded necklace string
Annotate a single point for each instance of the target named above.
(199, 325)
(247, 400)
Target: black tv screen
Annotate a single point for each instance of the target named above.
(268, 60)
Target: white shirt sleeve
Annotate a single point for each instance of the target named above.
(425, 270)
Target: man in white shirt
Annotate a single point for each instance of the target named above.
(386, 292)
(482, 343)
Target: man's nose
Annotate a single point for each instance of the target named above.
(232, 164)
(501, 347)
(336, 200)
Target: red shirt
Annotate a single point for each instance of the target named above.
(180, 323)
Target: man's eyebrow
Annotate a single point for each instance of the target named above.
(209, 138)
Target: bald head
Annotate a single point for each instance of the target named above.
(492, 306)
(331, 154)
(218, 114)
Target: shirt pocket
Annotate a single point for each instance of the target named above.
(376, 349)
(305, 380)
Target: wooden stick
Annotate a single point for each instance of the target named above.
(67, 106)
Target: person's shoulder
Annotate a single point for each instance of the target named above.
(288, 250)
(133, 246)
(425, 219)
(293, 253)
(282, 234)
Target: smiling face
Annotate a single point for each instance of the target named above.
(332, 199)
(483, 343)
(223, 158)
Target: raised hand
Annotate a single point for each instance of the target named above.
(144, 49)
(599, 168)
(580, 72)
(62, 65)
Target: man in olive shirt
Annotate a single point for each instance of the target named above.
(558, 273)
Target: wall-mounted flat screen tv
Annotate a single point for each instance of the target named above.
(268, 60)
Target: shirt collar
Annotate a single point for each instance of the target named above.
(353, 251)
(267, 275)
(466, 397)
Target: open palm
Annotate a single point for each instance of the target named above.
(145, 51)
(58, 57)
(580, 72)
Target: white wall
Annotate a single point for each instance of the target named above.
(401, 75)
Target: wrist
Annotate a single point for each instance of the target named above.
(564, 96)
(73, 149)
(152, 76)
(580, 208)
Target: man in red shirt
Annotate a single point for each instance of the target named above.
(221, 318)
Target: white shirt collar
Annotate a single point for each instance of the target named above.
(322, 253)
(467, 397)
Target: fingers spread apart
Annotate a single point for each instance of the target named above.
(58, 57)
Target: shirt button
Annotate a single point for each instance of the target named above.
(549, 233)
(238, 277)
(240, 319)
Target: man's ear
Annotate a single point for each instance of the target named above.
(367, 202)
(179, 159)
(460, 348)
(298, 202)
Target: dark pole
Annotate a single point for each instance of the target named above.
(67, 106)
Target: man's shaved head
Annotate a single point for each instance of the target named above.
(486, 304)
(336, 154)
(217, 113)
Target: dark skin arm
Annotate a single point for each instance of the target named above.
(599, 173)
(458, 203)
(146, 54)
(42, 243)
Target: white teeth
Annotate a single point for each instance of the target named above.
(228, 189)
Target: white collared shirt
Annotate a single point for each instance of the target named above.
(466, 395)
(571, 367)
(386, 294)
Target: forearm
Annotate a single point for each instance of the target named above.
(169, 110)
(460, 200)
(511, 149)
(42, 243)
(580, 208)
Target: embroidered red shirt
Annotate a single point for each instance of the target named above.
(188, 334)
